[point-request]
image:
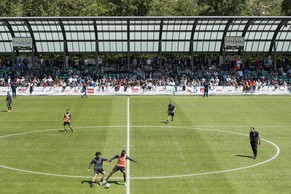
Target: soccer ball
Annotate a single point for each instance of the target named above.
(107, 185)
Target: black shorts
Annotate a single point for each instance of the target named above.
(119, 168)
(170, 114)
(98, 171)
(67, 123)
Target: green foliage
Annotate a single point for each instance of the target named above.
(23, 8)
(10, 8)
(185, 8)
(286, 7)
(265, 7)
(222, 7)
(128, 7)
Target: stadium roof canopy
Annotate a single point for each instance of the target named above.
(72, 35)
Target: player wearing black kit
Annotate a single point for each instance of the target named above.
(206, 88)
(255, 141)
(9, 102)
(170, 111)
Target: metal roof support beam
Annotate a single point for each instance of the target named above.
(65, 43)
(12, 34)
(191, 43)
(273, 42)
(128, 44)
(96, 45)
(34, 49)
(160, 42)
(248, 24)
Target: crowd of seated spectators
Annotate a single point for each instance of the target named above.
(146, 73)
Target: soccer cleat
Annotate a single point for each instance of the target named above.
(91, 184)
(172, 121)
(125, 184)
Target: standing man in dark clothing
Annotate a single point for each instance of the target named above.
(255, 140)
(30, 85)
(206, 88)
(13, 88)
(84, 89)
(98, 167)
(170, 112)
(9, 102)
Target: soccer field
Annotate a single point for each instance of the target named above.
(205, 150)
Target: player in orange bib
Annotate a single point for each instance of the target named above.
(67, 120)
(120, 166)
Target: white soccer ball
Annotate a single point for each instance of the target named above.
(107, 185)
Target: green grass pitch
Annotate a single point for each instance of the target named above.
(205, 150)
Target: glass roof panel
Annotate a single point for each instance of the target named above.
(22, 34)
(3, 28)
(280, 46)
(144, 33)
(5, 36)
(2, 47)
(198, 46)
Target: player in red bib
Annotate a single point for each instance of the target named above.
(67, 120)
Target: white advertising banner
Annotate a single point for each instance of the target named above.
(21, 42)
(234, 41)
(160, 90)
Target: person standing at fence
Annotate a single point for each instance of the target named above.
(206, 89)
(9, 102)
(30, 85)
(84, 89)
(13, 88)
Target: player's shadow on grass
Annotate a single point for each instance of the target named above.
(116, 182)
(110, 182)
(243, 156)
(86, 181)
(61, 131)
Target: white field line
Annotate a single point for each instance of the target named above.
(203, 128)
(128, 150)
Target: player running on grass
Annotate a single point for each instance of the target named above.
(67, 120)
(120, 166)
(98, 167)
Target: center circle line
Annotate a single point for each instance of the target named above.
(203, 128)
